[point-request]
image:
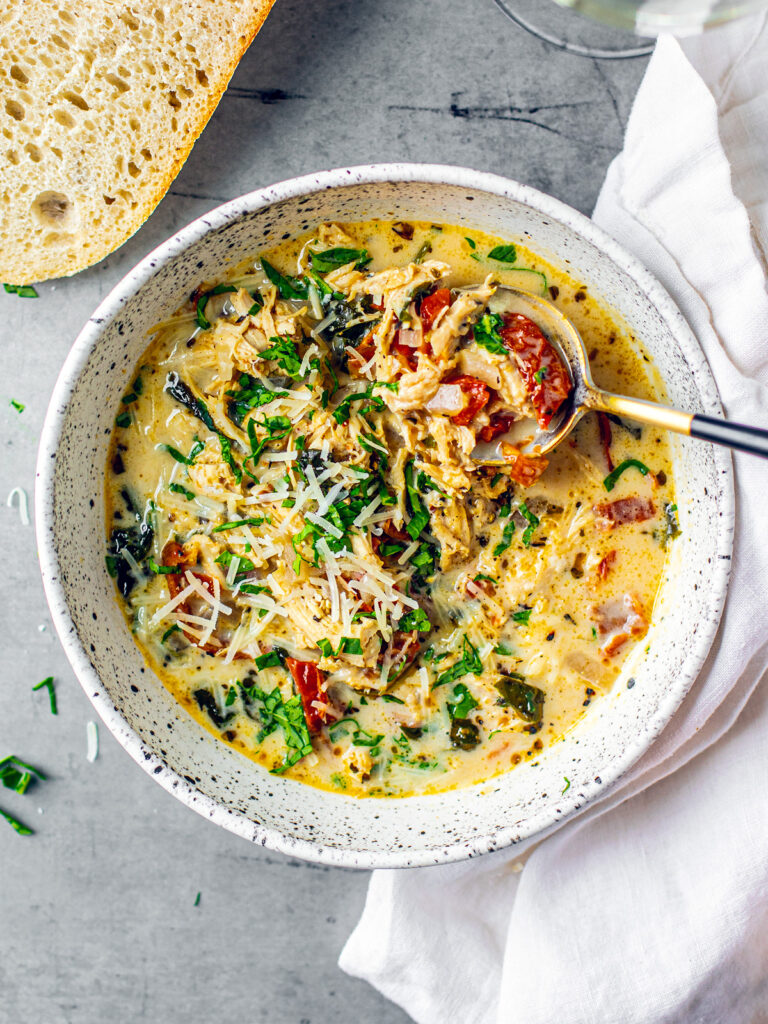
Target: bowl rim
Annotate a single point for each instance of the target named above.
(65, 388)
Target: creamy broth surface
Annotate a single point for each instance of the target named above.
(463, 617)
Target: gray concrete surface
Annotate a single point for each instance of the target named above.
(97, 915)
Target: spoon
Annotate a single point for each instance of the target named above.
(586, 397)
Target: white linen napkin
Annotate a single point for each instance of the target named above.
(651, 907)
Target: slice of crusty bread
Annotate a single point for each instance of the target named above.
(100, 103)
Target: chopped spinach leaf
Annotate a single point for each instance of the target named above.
(179, 489)
(464, 734)
(503, 254)
(469, 662)
(332, 259)
(527, 700)
(287, 287)
(255, 521)
(185, 460)
(202, 302)
(415, 619)
(424, 250)
(506, 538)
(419, 515)
(162, 570)
(610, 481)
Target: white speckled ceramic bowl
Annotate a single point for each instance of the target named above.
(216, 781)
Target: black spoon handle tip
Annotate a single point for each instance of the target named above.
(733, 435)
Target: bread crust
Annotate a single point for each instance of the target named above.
(25, 256)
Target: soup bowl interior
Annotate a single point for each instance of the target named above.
(220, 783)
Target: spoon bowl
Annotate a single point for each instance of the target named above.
(530, 439)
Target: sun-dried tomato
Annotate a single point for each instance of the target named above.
(477, 394)
(308, 679)
(606, 437)
(523, 469)
(543, 373)
(499, 423)
(432, 305)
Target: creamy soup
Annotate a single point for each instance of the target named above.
(307, 553)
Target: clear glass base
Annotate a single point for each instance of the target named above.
(620, 25)
(571, 31)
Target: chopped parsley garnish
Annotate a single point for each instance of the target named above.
(461, 702)
(175, 628)
(283, 351)
(540, 375)
(347, 645)
(15, 824)
(252, 394)
(287, 715)
(469, 662)
(49, 685)
(277, 427)
(415, 619)
(390, 698)
(470, 242)
(610, 481)
(503, 254)
(332, 259)
(502, 650)
(360, 737)
(522, 615)
(269, 660)
(17, 406)
(287, 287)
(532, 520)
(200, 317)
(567, 785)
(24, 291)
(123, 419)
(17, 775)
(343, 410)
(486, 334)
(197, 901)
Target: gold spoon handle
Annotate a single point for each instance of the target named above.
(637, 409)
(733, 435)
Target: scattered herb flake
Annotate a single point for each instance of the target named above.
(24, 291)
(49, 685)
